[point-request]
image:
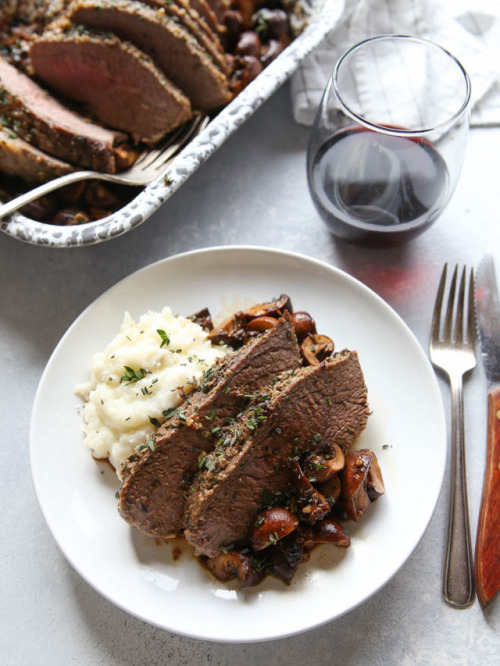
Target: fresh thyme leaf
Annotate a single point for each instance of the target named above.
(165, 340)
(207, 462)
(211, 415)
(131, 376)
(167, 413)
(154, 422)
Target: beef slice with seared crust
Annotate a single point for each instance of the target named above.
(173, 49)
(47, 124)
(119, 84)
(201, 14)
(155, 481)
(326, 402)
(108, 15)
(19, 158)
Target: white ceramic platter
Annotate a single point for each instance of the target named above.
(406, 430)
(324, 15)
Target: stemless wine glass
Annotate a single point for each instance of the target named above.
(388, 141)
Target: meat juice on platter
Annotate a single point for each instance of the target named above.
(374, 188)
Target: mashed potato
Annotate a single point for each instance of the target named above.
(142, 372)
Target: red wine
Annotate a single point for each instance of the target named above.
(373, 188)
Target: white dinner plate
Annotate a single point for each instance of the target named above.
(149, 580)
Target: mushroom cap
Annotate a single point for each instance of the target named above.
(315, 348)
(354, 497)
(327, 531)
(234, 564)
(272, 525)
(322, 466)
(309, 501)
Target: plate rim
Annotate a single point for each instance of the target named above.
(228, 250)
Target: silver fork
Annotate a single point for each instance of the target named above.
(452, 351)
(147, 167)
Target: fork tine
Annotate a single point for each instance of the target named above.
(461, 303)
(448, 324)
(164, 156)
(165, 148)
(471, 315)
(169, 144)
(157, 158)
(141, 158)
(436, 316)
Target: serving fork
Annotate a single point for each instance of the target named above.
(145, 169)
(452, 351)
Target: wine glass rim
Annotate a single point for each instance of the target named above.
(399, 131)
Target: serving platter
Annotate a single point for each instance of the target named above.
(162, 583)
(324, 15)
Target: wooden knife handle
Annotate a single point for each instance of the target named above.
(487, 564)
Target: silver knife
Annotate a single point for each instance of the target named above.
(487, 558)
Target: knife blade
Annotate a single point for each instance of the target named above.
(487, 555)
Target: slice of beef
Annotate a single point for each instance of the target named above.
(219, 7)
(208, 15)
(317, 404)
(120, 85)
(89, 12)
(47, 124)
(156, 480)
(174, 50)
(201, 14)
(19, 158)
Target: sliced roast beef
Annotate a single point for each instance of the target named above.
(155, 481)
(219, 7)
(19, 158)
(89, 12)
(208, 15)
(181, 13)
(120, 85)
(200, 12)
(318, 404)
(46, 123)
(175, 50)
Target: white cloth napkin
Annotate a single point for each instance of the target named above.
(470, 29)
